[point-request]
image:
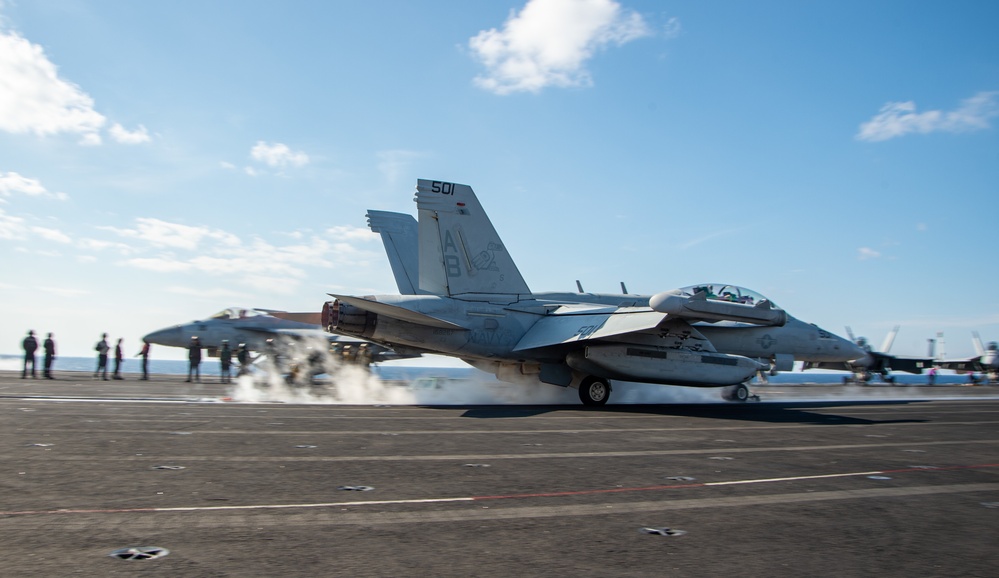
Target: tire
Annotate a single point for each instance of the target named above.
(740, 393)
(594, 391)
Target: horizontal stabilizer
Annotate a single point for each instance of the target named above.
(569, 324)
(396, 312)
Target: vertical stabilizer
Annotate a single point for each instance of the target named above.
(889, 340)
(460, 251)
(399, 235)
(976, 339)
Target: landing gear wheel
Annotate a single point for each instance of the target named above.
(737, 393)
(594, 391)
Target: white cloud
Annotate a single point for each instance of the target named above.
(11, 228)
(159, 264)
(865, 253)
(214, 293)
(395, 162)
(672, 28)
(255, 264)
(164, 234)
(52, 235)
(100, 245)
(64, 291)
(549, 42)
(120, 134)
(342, 233)
(12, 183)
(690, 243)
(33, 99)
(900, 118)
(278, 155)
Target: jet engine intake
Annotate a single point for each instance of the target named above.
(339, 317)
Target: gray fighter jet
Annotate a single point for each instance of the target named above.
(476, 306)
(986, 362)
(874, 362)
(268, 332)
(778, 345)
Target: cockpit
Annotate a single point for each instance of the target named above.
(993, 346)
(236, 313)
(730, 293)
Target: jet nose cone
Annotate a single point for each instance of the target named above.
(171, 337)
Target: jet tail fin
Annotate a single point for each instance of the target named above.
(459, 250)
(399, 236)
(889, 340)
(977, 340)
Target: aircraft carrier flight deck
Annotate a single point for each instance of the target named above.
(803, 483)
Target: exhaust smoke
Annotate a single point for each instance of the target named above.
(305, 372)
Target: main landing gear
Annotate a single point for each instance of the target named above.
(738, 393)
(594, 391)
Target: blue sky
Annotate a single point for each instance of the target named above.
(162, 161)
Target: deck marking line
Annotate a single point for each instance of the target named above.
(484, 498)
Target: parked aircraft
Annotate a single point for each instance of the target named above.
(778, 345)
(874, 362)
(986, 362)
(478, 307)
(267, 331)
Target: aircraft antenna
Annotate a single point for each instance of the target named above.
(579, 286)
(623, 288)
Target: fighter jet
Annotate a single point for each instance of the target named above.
(476, 306)
(778, 345)
(872, 363)
(267, 331)
(986, 362)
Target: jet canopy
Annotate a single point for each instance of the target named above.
(236, 313)
(730, 293)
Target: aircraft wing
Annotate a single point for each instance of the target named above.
(569, 324)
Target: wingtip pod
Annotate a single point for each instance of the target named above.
(674, 302)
